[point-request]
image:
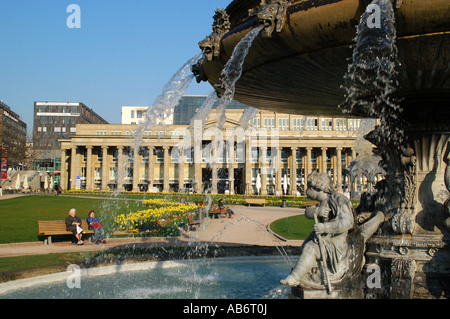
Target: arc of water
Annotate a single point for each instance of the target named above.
(233, 72)
(166, 102)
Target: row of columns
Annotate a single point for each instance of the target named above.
(75, 161)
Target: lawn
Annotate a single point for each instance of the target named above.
(8, 264)
(19, 216)
(293, 228)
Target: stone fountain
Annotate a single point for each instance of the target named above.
(385, 59)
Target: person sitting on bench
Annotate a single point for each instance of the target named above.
(95, 225)
(222, 207)
(73, 224)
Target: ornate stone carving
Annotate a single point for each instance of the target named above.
(336, 240)
(199, 72)
(211, 45)
(447, 185)
(272, 13)
(404, 221)
(402, 278)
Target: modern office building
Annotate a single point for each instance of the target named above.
(274, 154)
(13, 136)
(54, 121)
(182, 114)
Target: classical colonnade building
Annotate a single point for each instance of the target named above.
(273, 155)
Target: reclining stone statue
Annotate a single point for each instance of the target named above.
(337, 245)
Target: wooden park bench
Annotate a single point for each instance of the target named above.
(192, 223)
(49, 228)
(255, 201)
(216, 212)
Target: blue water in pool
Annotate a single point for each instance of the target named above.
(207, 279)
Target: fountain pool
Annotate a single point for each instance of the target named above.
(218, 278)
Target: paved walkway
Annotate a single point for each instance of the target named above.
(247, 227)
(9, 196)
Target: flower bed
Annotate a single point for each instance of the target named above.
(159, 214)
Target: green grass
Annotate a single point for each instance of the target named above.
(19, 216)
(293, 228)
(8, 264)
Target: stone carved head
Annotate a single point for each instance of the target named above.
(272, 14)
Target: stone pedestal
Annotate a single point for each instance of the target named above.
(411, 266)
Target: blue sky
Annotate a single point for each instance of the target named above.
(123, 54)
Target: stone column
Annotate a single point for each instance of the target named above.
(198, 167)
(181, 167)
(73, 168)
(231, 161)
(294, 171)
(105, 168)
(120, 168)
(248, 166)
(355, 182)
(214, 168)
(263, 166)
(166, 188)
(308, 164)
(151, 166)
(278, 172)
(89, 168)
(136, 166)
(324, 160)
(339, 168)
(63, 175)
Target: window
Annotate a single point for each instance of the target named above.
(299, 156)
(255, 155)
(160, 155)
(139, 114)
(115, 156)
(145, 155)
(175, 154)
(240, 152)
(132, 114)
(100, 156)
(98, 173)
(112, 173)
(327, 124)
(284, 156)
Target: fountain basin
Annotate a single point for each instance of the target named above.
(237, 277)
(300, 67)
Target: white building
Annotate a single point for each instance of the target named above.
(136, 114)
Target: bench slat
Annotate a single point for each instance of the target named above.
(58, 227)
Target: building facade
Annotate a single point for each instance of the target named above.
(273, 155)
(13, 136)
(135, 115)
(54, 121)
